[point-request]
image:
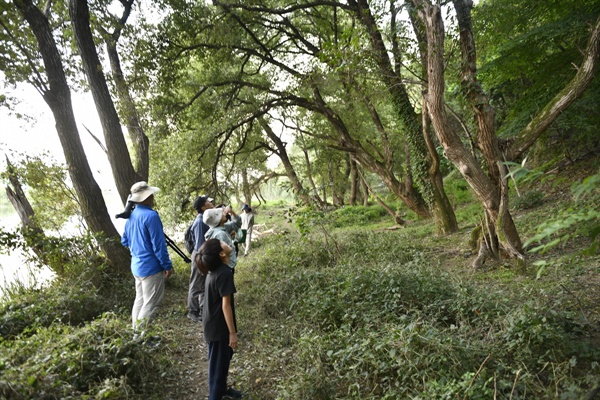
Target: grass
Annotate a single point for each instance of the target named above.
(364, 313)
(385, 319)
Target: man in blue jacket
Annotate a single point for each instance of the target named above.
(150, 262)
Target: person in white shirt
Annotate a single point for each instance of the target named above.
(247, 224)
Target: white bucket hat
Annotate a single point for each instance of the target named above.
(140, 191)
(212, 217)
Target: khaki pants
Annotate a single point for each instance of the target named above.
(149, 292)
(248, 241)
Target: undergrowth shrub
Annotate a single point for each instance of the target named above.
(458, 190)
(82, 288)
(98, 360)
(67, 256)
(529, 199)
(579, 223)
(71, 304)
(356, 215)
(381, 320)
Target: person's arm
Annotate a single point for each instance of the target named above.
(159, 244)
(228, 313)
(236, 220)
(125, 236)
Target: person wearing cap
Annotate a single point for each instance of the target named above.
(195, 299)
(247, 224)
(216, 219)
(150, 262)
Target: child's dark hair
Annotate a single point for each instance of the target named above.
(207, 257)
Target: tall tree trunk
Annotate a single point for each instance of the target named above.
(430, 184)
(246, 189)
(490, 190)
(141, 144)
(118, 154)
(365, 192)
(342, 184)
(501, 225)
(335, 200)
(129, 111)
(354, 183)
(445, 222)
(259, 196)
(58, 98)
(287, 164)
(309, 175)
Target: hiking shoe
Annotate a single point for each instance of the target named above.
(194, 317)
(231, 393)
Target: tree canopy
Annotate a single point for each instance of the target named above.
(341, 93)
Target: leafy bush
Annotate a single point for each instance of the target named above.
(99, 360)
(75, 257)
(309, 218)
(53, 200)
(379, 321)
(356, 215)
(574, 223)
(71, 304)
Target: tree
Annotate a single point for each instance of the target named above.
(19, 201)
(129, 111)
(118, 154)
(257, 76)
(56, 94)
(425, 160)
(281, 151)
(499, 233)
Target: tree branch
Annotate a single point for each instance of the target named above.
(574, 90)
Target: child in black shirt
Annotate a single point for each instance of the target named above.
(218, 316)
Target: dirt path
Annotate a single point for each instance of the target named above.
(185, 345)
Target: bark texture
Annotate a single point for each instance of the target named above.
(499, 231)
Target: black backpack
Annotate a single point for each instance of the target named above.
(189, 239)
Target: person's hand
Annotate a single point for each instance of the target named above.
(233, 341)
(168, 273)
(230, 211)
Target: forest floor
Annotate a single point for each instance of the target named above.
(185, 344)
(187, 350)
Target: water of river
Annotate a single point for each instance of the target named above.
(14, 267)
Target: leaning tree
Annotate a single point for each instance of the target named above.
(39, 62)
(488, 178)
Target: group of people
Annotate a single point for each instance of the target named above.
(211, 287)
